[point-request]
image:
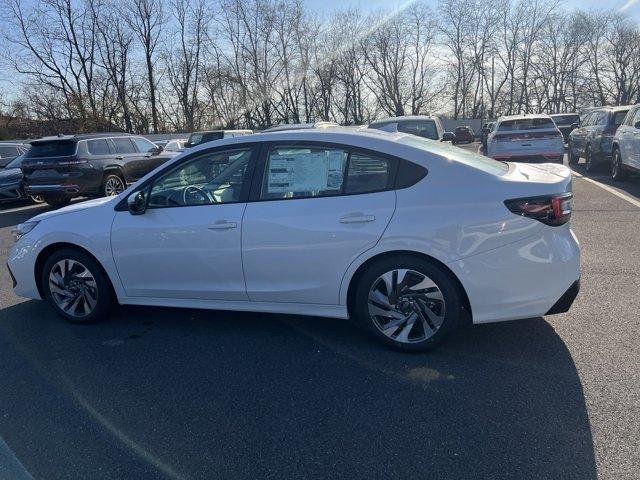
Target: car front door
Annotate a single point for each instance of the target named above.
(314, 209)
(186, 245)
(127, 157)
(151, 158)
(579, 134)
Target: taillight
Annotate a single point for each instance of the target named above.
(552, 210)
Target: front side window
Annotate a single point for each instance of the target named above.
(636, 117)
(124, 145)
(211, 178)
(143, 144)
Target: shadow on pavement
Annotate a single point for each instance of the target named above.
(630, 186)
(197, 394)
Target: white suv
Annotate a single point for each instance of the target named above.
(626, 146)
(526, 138)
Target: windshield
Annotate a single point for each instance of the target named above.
(471, 159)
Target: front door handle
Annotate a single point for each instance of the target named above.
(360, 218)
(222, 225)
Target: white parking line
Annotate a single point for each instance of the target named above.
(618, 194)
(20, 209)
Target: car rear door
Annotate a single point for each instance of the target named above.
(633, 140)
(314, 208)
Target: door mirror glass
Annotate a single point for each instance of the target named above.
(137, 203)
(637, 124)
(155, 150)
(448, 137)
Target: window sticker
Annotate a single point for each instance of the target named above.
(306, 172)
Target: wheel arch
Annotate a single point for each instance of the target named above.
(111, 169)
(355, 278)
(54, 247)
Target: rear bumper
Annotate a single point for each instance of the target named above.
(566, 300)
(530, 157)
(52, 189)
(524, 279)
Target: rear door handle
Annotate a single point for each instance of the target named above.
(223, 225)
(357, 218)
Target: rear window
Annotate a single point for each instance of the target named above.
(8, 151)
(566, 119)
(56, 148)
(526, 124)
(471, 159)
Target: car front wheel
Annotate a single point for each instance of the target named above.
(408, 303)
(573, 158)
(590, 160)
(76, 286)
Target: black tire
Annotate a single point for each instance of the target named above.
(104, 296)
(112, 184)
(591, 160)
(618, 173)
(573, 158)
(450, 292)
(57, 202)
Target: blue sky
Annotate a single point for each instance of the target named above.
(633, 7)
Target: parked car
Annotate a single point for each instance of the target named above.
(9, 151)
(464, 134)
(61, 168)
(176, 145)
(198, 138)
(566, 123)
(486, 129)
(526, 138)
(405, 234)
(626, 146)
(11, 188)
(593, 139)
(420, 125)
(299, 126)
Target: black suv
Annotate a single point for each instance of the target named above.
(61, 168)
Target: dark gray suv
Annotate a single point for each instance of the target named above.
(593, 138)
(61, 168)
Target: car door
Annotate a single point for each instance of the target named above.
(579, 134)
(633, 152)
(127, 157)
(186, 244)
(625, 138)
(314, 209)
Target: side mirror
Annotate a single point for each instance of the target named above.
(137, 203)
(637, 124)
(448, 137)
(575, 125)
(156, 150)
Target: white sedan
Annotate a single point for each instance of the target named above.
(405, 234)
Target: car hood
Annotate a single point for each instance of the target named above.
(10, 176)
(76, 207)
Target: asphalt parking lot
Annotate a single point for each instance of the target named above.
(181, 394)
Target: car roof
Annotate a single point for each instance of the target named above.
(524, 116)
(299, 126)
(564, 114)
(403, 118)
(79, 137)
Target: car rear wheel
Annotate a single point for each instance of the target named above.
(76, 287)
(36, 198)
(112, 185)
(408, 303)
(617, 169)
(57, 202)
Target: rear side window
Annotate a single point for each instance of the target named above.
(303, 172)
(98, 147)
(635, 118)
(54, 148)
(526, 124)
(421, 128)
(367, 174)
(124, 145)
(566, 120)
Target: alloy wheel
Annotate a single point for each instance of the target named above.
(113, 186)
(615, 165)
(73, 288)
(406, 306)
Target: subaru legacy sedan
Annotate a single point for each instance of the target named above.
(406, 235)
